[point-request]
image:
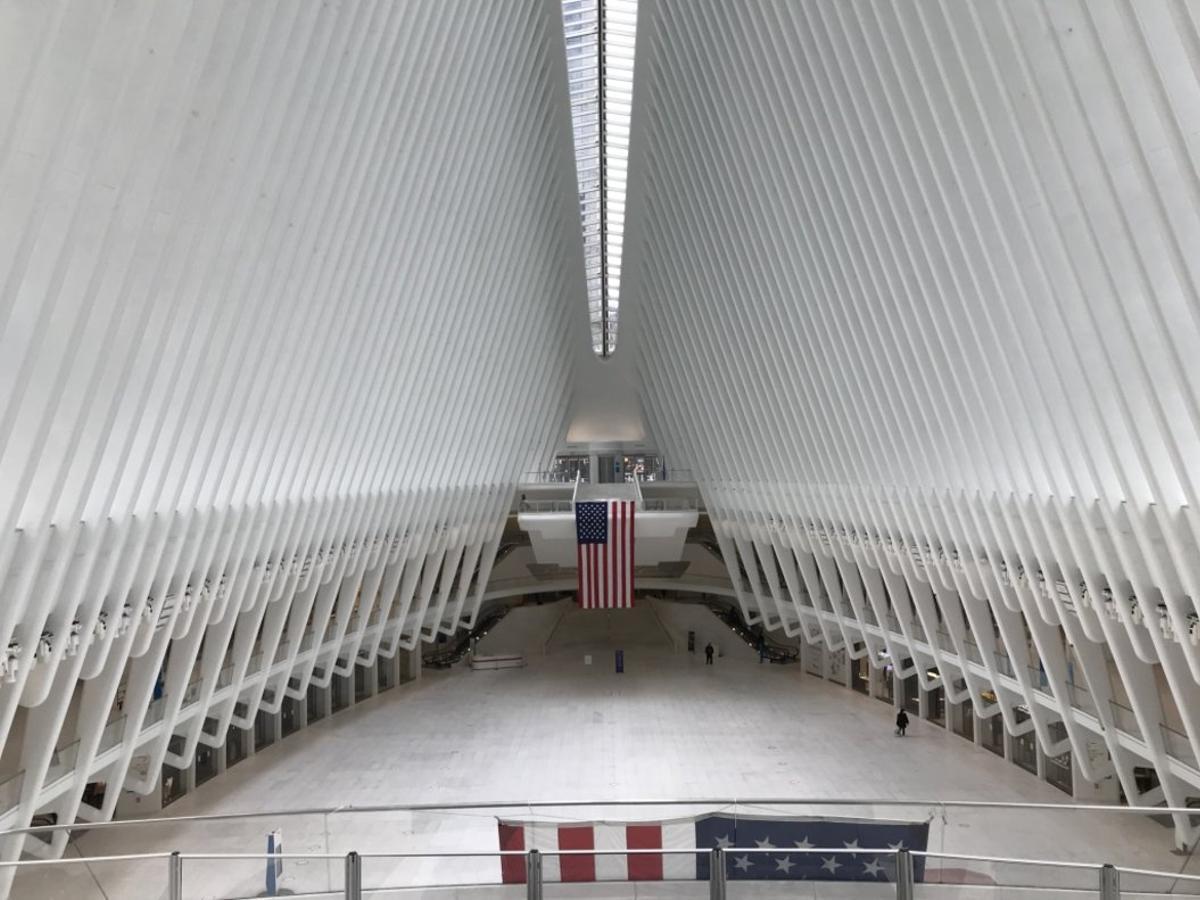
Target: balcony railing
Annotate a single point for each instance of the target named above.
(222, 868)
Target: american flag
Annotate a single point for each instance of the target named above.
(605, 553)
(843, 861)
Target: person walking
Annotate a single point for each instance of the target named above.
(901, 722)
(708, 654)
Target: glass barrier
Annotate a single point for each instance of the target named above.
(218, 877)
(1005, 877)
(404, 871)
(1140, 883)
(73, 878)
(954, 850)
(605, 874)
(760, 872)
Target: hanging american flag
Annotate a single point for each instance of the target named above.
(852, 849)
(605, 553)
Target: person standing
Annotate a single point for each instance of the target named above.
(708, 654)
(901, 722)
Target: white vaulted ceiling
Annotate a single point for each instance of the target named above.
(914, 286)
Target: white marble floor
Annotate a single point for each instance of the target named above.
(560, 730)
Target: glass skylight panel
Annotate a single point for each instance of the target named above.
(600, 44)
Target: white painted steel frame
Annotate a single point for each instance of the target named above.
(915, 288)
(283, 315)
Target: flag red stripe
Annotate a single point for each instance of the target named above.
(644, 866)
(632, 544)
(626, 598)
(579, 598)
(577, 837)
(597, 600)
(627, 531)
(612, 555)
(618, 554)
(512, 868)
(602, 571)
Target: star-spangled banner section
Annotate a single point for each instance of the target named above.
(781, 835)
(776, 836)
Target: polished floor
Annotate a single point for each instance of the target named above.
(568, 728)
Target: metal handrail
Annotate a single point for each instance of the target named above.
(1108, 883)
(654, 851)
(528, 506)
(1154, 872)
(71, 860)
(550, 804)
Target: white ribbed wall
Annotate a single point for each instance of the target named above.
(289, 293)
(915, 287)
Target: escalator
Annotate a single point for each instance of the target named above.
(756, 638)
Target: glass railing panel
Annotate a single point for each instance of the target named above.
(977, 851)
(1124, 719)
(1143, 883)
(154, 713)
(290, 873)
(192, 694)
(401, 872)
(1081, 697)
(1178, 745)
(113, 733)
(117, 879)
(10, 791)
(1004, 877)
(62, 762)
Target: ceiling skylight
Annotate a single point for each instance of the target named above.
(600, 43)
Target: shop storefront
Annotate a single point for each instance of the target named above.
(264, 730)
(206, 762)
(935, 700)
(911, 701)
(860, 673)
(885, 689)
(174, 784)
(235, 746)
(963, 719)
(992, 728)
(1059, 773)
(290, 715)
(1024, 746)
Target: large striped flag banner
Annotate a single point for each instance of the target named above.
(605, 553)
(767, 833)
